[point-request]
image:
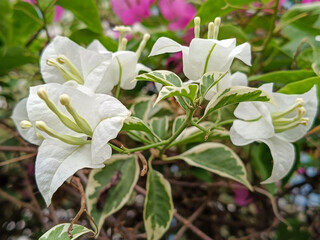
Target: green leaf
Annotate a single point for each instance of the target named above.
(86, 11)
(302, 86)
(5, 21)
(26, 22)
(133, 123)
(86, 36)
(178, 123)
(117, 195)
(60, 232)
(219, 159)
(163, 77)
(232, 31)
(158, 205)
(237, 94)
(141, 108)
(209, 80)
(15, 57)
(160, 126)
(189, 91)
(218, 8)
(283, 76)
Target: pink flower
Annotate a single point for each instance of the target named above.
(131, 11)
(179, 12)
(309, 1)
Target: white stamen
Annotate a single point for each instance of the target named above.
(143, 44)
(217, 23)
(24, 124)
(197, 21)
(210, 30)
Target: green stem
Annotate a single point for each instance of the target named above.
(199, 126)
(223, 123)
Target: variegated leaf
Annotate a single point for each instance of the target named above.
(117, 194)
(178, 123)
(189, 91)
(60, 232)
(219, 159)
(209, 80)
(133, 123)
(237, 94)
(158, 206)
(163, 77)
(160, 126)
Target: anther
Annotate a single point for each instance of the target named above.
(64, 99)
(210, 30)
(143, 44)
(197, 21)
(122, 30)
(42, 93)
(24, 124)
(73, 70)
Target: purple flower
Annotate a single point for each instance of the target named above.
(309, 1)
(178, 12)
(242, 196)
(131, 11)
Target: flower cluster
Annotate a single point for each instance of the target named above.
(71, 117)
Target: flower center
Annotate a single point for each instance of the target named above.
(78, 124)
(282, 123)
(122, 42)
(66, 68)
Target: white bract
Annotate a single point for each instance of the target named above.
(124, 65)
(76, 126)
(63, 60)
(205, 55)
(277, 126)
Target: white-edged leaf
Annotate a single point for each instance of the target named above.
(160, 126)
(178, 123)
(189, 91)
(158, 205)
(237, 94)
(116, 196)
(133, 123)
(219, 159)
(60, 232)
(163, 77)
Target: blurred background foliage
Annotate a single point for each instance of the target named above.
(285, 40)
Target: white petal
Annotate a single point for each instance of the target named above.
(283, 158)
(165, 45)
(239, 79)
(242, 52)
(59, 45)
(56, 162)
(19, 114)
(255, 129)
(237, 139)
(107, 129)
(97, 46)
(107, 107)
(311, 105)
(251, 110)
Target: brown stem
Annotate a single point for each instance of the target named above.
(13, 160)
(18, 149)
(17, 202)
(144, 164)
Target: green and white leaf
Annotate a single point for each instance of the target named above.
(60, 232)
(189, 91)
(209, 80)
(158, 205)
(163, 77)
(141, 108)
(237, 94)
(219, 159)
(133, 123)
(160, 126)
(178, 123)
(117, 195)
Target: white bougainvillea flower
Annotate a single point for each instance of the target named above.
(124, 65)
(63, 60)
(76, 126)
(205, 55)
(277, 126)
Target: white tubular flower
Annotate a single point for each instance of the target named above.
(63, 60)
(76, 126)
(277, 126)
(124, 66)
(204, 55)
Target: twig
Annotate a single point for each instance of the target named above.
(18, 149)
(273, 204)
(13, 160)
(190, 219)
(196, 230)
(78, 186)
(17, 202)
(144, 164)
